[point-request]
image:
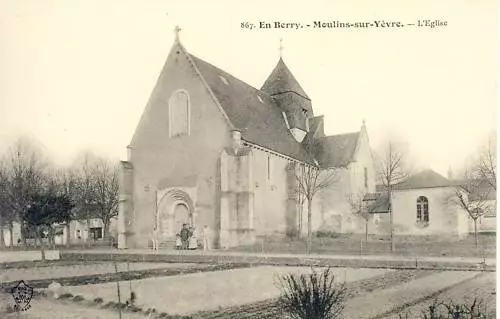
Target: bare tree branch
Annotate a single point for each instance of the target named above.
(487, 166)
(310, 180)
(392, 170)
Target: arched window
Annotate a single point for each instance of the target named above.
(179, 113)
(422, 209)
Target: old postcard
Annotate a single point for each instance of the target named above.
(258, 159)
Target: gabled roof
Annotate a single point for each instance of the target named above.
(336, 150)
(282, 80)
(425, 179)
(251, 111)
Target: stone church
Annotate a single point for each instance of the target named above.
(212, 150)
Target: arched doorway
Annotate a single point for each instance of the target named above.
(181, 216)
(174, 210)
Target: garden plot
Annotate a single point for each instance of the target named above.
(42, 308)
(482, 288)
(55, 272)
(190, 293)
(383, 301)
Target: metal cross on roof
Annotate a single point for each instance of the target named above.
(177, 29)
(281, 47)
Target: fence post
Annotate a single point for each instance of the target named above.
(118, 291)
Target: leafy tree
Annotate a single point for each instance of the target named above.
(24, 170)
(46, 210)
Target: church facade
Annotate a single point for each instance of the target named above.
(212, 150)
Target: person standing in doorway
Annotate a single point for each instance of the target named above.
(206, 237)
(185, 236)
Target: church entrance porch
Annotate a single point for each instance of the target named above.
(175, 209)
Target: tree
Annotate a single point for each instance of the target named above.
(361, 209)
(487, 166)
(5, 215)
(392, 171)
(310, 180)
(68, 187)
(106, 192)
(45, 210)
(84, 196)
(473, 196)
(24, 170)
(97, 190)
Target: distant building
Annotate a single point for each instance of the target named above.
(79, 232)
(425, 204)
(487, 223)
(212, 150)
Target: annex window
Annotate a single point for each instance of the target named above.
(179, 113)
(422, 209)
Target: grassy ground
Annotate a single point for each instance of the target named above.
(376, 245)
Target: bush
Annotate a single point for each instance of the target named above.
(78, 298)
(311, 296)
(98, 300)
(111, 304)
(451, 310)
(65, 296)
(150, 311)
(134, 309)
(327, 234)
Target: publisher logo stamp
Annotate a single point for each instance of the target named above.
(22, 294)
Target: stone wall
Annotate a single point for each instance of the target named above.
(237, 198)
(270, 193)
(192, 161)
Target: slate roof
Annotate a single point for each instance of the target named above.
(376, 202)
(336, 150)
(480, 189)
(252, 111)
(281, 80)
(316, 126)
(425, 179)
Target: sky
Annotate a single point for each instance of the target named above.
(76, 75)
